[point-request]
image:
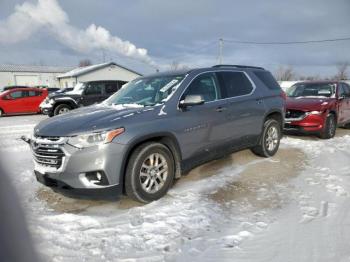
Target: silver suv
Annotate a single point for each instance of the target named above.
(157, 128)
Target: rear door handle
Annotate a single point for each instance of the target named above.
(220, 109)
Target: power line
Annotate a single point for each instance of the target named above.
(286, 43)
(195, 51)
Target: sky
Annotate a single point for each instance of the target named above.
(145, 35)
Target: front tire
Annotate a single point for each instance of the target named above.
(62, 109)
(1, 112)
(269, 140)
(150, 172)
(330, 127)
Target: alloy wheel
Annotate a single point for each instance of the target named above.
(271, 138)
(63, 110)
(153, 173)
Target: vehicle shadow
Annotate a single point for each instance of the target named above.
(62, 204)
(263, 184)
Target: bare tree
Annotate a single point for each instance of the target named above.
(176, 66)
(342, 73)
(85, 62)
(309, 77)
(285, 73)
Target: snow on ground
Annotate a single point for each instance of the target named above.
(292, 207)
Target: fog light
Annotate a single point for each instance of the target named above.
(93, 179)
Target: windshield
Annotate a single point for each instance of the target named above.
(78, 89)
(312, 90)
(146, 91)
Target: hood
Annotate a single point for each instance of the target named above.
(61, 95)
(88, 119)
(308, 104)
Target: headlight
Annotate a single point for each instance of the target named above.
(51, 101)
(315, 113)
(93, 139)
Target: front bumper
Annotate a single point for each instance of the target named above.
(312, 123)
(68, 169)
(110, 192)
(46, 108)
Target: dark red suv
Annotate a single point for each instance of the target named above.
(318, 107)
(21, 100)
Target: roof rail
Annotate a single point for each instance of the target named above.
(240, 66)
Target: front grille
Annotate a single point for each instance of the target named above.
(49, 155)
(295, 114)
(50, 138)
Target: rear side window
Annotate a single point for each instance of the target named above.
(268, 80)
(34, 93)
(234, 84)
(111, 88)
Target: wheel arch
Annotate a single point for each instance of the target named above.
(168, 139)
(65, 102)
(277, 115)
(334, 112)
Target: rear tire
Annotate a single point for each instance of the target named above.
(1, 112)
(62, 109)
(269, 140)
(330, 127)
(150, 172)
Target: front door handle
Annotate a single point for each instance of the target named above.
(259, 101)
(220, 109)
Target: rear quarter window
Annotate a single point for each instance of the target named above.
(267, 79)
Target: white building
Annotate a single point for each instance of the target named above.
(105, 71)
(26, 75)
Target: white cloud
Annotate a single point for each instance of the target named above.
(28, 18)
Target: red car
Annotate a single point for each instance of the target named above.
(21, 100)
(318, 107)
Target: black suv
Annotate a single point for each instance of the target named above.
(157, 128)
(83, 94)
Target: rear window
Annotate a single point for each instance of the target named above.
(234, 84)
(267, 79)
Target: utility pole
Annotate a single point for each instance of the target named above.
(221, 47)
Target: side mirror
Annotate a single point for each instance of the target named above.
(191, 100)
(341, 97)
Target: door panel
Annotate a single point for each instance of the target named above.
(202, 127)
(347, 103)
(31, 101)
(343, 104)
(246, 110)
(17, 103)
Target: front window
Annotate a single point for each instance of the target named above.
(312, 90)
(147, 91)
(204, 85)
